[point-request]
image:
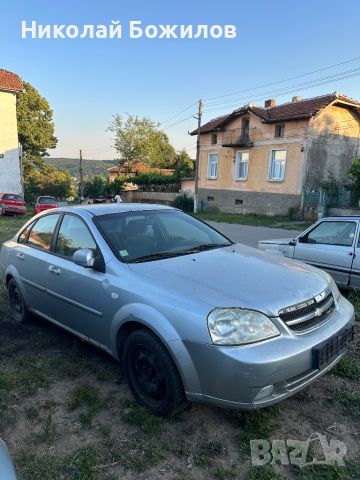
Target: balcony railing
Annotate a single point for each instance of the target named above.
(238, 138)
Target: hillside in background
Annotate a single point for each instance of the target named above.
(90, 167)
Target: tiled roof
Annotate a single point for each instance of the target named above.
(10, 81)
(138, 167)
(286, 112)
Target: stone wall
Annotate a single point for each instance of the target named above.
(249, 202)
(135, 196)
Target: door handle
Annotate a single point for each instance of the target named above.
(54, 269)
(20, 255)
(352, 254)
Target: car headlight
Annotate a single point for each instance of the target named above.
(236, 326)
(332, 284)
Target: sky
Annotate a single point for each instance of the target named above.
(88, 81)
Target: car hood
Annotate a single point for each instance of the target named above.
(276, 241)
(236, 276)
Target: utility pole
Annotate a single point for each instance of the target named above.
(81, 177)
(196, 194)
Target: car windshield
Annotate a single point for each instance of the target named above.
(155, 234)
(14, 198)
(47, 200)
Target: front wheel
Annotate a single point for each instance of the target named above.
(17, 304)
(152, 375)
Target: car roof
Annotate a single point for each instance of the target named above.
(108, 208)
(345, 217)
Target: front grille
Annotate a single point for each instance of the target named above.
(310, 314)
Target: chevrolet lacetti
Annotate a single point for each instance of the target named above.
(190, 315)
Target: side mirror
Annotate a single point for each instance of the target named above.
(292, 243)
(85, 257)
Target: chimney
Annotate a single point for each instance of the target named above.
(297, 98)
(270, 103)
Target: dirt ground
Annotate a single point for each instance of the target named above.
(66, 413)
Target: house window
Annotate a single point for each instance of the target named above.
(213, 138)
(213, 160)
(277, 164)
(241, 165)
(279, 129)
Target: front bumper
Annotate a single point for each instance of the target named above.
(258, 375)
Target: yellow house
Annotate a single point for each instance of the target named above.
(261, 159)
(10, 168)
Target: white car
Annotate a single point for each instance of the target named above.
(332, 244)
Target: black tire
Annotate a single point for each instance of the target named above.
(152, 374)
(17, 305)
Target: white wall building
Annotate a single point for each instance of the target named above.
(10, 169)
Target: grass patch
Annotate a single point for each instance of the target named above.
(348, 367)
(259, 424)
(354, 298)
(254, 220)
(349, 401)
(222, 473)
(48, 433)
(265, 472)
(80, 465)
(134, 414)
(10, 225)
(31, 374)
(86, 396)
(322, 472)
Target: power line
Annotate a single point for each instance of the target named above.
(178, 114)
(296, 85)
(292, 90)
(284, 80)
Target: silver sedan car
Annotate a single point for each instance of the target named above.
(190, 315)
(332, 244)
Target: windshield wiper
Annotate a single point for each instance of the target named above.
(155, 256)
(206, 246)
(160, 255)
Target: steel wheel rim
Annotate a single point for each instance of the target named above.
(147, 375)
(16, 302)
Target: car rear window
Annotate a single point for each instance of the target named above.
(47, 200)
(14, 198)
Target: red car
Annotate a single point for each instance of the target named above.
(12, 203)
(45, 203)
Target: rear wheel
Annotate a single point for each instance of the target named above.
(152, 375)
(17, 304)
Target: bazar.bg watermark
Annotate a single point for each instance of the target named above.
(316, 450)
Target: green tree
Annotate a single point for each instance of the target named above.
(35, 123)
(354, 175)
(141, 139)
(47, 181)
(354, 172)
(183, 164)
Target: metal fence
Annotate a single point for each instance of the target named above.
(345, 197)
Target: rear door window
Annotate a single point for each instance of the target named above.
(42, 232)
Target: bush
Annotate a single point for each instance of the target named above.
(183, 202)
(155, 182)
